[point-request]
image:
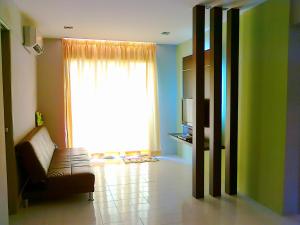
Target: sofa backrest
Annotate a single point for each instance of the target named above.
(35, 153)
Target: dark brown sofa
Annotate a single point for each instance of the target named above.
(51, 172)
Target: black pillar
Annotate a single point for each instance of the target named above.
(233, 16)
(215, 101)
(198, 103)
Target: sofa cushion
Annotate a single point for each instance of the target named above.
(35, 152)
(43, 147)
(70, 169)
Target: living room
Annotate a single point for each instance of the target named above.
(114, 78)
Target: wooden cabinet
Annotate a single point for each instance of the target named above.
(189, 83)
(207, 59)
(187, 63)
(188, 75)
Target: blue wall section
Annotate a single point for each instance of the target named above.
(167, 93)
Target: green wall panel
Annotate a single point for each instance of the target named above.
(262, 102)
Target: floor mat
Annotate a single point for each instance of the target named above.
(139, 159)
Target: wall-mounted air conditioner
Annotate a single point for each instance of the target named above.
(33, 41)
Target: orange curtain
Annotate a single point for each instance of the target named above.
(102, 77)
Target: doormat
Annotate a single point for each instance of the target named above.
(139, 159)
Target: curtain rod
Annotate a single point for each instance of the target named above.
(89, 39)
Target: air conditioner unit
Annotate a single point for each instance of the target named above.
(33, 41)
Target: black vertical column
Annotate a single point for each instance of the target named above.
(233, 16)
(198, 104)
(215, 101)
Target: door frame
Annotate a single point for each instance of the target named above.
(3, 171)
(11, 166)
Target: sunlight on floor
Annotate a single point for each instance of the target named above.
(147, 194)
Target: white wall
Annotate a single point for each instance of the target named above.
(24, 90)
(23, 73)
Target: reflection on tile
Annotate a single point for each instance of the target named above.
(147, 194)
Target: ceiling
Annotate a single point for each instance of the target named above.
(131, 20)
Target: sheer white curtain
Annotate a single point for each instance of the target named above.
(111, 96)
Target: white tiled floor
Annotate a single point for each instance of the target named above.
(147, 194)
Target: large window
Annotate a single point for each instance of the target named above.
(112, 96)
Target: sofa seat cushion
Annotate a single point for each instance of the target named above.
(80, 180)
(70, 168)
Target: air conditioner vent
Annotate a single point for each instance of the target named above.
(33, 41)
(38, 49)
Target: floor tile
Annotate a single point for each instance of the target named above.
(157, 193)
